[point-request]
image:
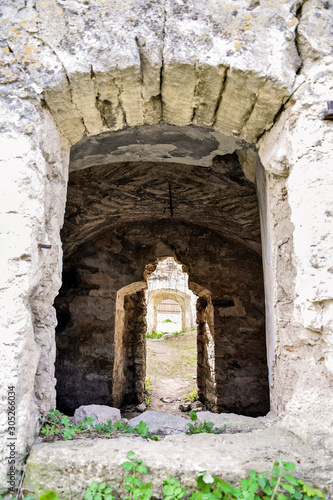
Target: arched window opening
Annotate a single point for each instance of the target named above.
(169, 316)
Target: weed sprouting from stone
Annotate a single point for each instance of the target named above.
(279, 484)
(205, 427)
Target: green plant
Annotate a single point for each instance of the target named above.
(98, 492)
(49, 495)
(180, 332)
(167, 321)
(134, 486)
(59, 425)
(206, 427)
(148, 384)
(173, 490)
(193, 328)
(154, 335)
(280, 485)
(191, 396)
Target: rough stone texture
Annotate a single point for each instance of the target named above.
(166, 143)
(161, 423)
(169, 275)
(300, 202)
(228, 456)
(232, 421)
(216, 214)
(70, 69)
(100, 413)
(182, 299)
(33, 169)
(99, 69)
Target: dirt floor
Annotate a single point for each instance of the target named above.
(172, 370)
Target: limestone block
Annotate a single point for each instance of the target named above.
(247, 158)
(207, 93)
(180, 456)
(233, 422)
(175, 66)
(100, 413)
(33, 162)
(314, 32)
(161, 423)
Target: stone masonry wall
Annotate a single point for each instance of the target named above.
(85, 345)
(254, 71)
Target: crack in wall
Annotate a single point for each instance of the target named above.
(142, 71)
(104, 107)
(162, 61)
(249, 112)
(284, 103)
(45, 42)
(121, 104)
(298, 14)
(220, 96)
(196, 93)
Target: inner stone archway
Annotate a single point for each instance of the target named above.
(168, 296)
(121, 216)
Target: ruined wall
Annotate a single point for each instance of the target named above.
(255, 71)
(116, 258)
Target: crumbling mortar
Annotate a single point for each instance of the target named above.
(196, 92)
(248, 114)
(220, 96)
(121, 102)
(298, 14)
(162, 60)
(141, 69)
(284, 105)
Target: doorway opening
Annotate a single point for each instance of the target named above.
(117, 220)
(171, 338)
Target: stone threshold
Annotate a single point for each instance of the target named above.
(68, 467)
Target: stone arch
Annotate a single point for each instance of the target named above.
(236, 88)
(155, 297)
(129, 367)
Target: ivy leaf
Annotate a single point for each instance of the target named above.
(168, 490)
